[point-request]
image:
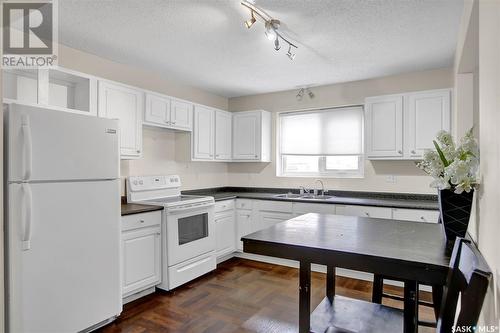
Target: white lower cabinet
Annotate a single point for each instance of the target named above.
(365, 211)
(244, 225)
(416, 215)
(225, 228)
(301, 208)
(141, 252)
(268, 219)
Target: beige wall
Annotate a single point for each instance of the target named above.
(408, 177)
(477, 77)
(489, 120)
(164, 151)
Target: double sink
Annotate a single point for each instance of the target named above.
(303, 196)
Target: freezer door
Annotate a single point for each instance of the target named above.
(45, 145)
(63, 253)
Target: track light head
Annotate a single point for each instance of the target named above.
(271, 27)
(290, 55)
(310, 93)
(251, 21)
(300, 94)
(277, 45)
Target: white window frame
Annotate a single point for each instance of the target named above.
(323, 172)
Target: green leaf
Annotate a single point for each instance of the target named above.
(441, 154)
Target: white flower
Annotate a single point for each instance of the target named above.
(462, 163)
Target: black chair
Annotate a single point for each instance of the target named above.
(469, 276)
(378, 293)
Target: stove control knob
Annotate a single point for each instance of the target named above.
(135, 182)
(141, 182)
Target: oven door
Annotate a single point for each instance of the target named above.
(190, 233)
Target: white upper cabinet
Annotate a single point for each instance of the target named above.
(181, 115)
(58, 88)
(223, 138)
(157, 110)
(203, 133)
(384, 126)
(428, 112)
(252, 136)
(125, 104)
(163, 111)
(403, 126)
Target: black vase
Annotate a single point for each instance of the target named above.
(455, 213)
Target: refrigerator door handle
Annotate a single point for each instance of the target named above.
(27, 146)
(26, 216)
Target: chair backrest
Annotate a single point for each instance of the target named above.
(468, 277)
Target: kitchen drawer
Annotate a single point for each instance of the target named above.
(416, 215)
(190, 269)
(225, 205)
(300, 208)
(365, 211)
(244, 204)
(275, 206)
(141, 220)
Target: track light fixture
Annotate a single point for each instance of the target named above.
(251, 21)
(302, 91)
(272, 25)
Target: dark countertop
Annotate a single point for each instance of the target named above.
(128, 209)
(377, 199)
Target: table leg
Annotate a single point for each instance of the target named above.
(330, 282)
(304, 296)
(378, 288)
(437, 297)
(410, 306)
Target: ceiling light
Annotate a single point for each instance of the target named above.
(300, 94)
(250, 22)
(272, 26)
(277, 45)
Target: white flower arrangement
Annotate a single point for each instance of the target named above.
(454, 168)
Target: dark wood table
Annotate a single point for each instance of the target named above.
(411, 251)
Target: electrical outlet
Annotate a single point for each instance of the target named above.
(390, 179)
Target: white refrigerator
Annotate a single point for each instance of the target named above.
(62, 220)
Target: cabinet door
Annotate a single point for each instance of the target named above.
(417, 215)
(268, 219)
(181, 115)
(223, 138)
(157, 110)
(126, 105)
(243, 226)
(246, 135)
(225, 233)
(365, 211)
(428, 112)
(384, 127)
(141, 259)
(203, 134)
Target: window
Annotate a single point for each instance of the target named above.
(325, 143)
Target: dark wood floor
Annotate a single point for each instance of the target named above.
(240, 296)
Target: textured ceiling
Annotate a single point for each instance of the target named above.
(204, 43)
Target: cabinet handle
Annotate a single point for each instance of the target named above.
(367, 214)
(173, 122)
(413, 152)
(400, 152)
(256, 156)
(422, 218)
(138, 151)
(141, 221)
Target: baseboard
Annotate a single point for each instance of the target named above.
(138, 295)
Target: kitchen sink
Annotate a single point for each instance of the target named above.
(288, 196)
(303, 196)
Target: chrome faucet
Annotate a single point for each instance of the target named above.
(303, 190)
(322, 187)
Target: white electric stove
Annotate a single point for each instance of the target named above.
(188, 230)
